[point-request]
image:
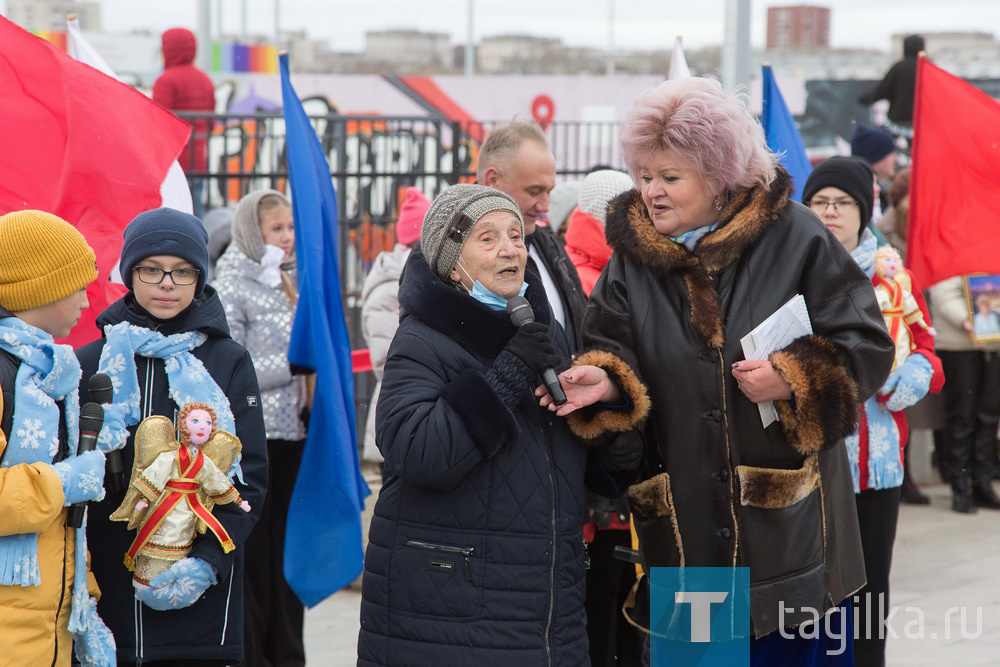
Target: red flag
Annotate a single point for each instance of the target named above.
(955, 184)
(78, 143)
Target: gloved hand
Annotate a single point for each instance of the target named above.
(532, 345)
(114, 431)
(624, 454)
(94, 645)
(179, 586)
(82, 477)
(908, 383)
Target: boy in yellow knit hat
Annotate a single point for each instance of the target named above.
(47, 597)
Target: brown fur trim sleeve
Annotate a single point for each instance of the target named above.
(826, 398)
(591, 423)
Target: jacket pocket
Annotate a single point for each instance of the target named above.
(437, 574)
(655, 520)
(782, 530)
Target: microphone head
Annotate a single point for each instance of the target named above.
(91, 417)
(519, 310)
(101, 389)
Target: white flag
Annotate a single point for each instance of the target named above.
(678, 64)
(174, 191)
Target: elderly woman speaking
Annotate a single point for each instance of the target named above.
(475, 554)
(705, 249)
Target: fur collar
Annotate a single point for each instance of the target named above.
(747, 216)
(457, 315)
(744, 220)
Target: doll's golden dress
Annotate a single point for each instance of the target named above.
(181, 484)
(900, 310)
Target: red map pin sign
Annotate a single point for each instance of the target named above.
(543, 110)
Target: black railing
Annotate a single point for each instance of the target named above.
(372, 159)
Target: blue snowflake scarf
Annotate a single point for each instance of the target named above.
(48, 373)
(864, 252)
(187, 378)
(885, 469)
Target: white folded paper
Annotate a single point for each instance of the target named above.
(789, 322)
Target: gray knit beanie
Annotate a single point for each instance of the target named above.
(562, 201)
(601, 187)
(246, 223)
(442, 236)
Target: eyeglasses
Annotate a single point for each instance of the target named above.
(152, 275)
(819, 205)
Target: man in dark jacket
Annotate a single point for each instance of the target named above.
(899, 85)
(167, 342)
(184, 87)
(515, 159)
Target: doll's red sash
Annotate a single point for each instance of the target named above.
(895, 314)
(180, 488)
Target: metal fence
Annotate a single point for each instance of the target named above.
(372, 159)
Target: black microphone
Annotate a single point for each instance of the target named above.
(520, 314)
(102, 391)
(91, 420)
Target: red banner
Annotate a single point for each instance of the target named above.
(81, 145)
(955, 185)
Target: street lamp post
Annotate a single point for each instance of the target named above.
(736, 45)
(470, 45)
(610, 69)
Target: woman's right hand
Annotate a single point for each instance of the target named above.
(584, 385)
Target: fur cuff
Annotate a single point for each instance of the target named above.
(591, 423)
(826, 398)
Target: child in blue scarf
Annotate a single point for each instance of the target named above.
(167, 343)
(47, 596)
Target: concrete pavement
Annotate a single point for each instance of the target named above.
(943, 561)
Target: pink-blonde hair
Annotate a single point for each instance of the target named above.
(713, 132)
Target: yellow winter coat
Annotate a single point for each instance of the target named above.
(34, 620)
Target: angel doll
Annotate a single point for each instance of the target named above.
(895, 297)
(173, 488)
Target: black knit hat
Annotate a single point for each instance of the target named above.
(852, 175)
(165, 231)
(871, 143)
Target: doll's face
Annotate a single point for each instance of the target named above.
(199, 426)
(891, 266)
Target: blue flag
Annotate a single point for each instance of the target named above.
(323, 540)
(783, 136)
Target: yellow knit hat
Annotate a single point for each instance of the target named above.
(42, 259)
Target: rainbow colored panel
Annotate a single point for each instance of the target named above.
(232, 57)
(56, 37)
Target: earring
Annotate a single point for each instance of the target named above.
(718, 204)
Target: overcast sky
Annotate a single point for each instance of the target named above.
(639, 24)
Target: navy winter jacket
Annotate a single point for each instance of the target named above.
(211, 628)
(475, 554)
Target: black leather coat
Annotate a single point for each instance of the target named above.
(720, 489)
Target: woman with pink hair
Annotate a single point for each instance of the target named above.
(706, 248)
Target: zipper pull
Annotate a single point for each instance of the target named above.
(468, 567)
(586, 555)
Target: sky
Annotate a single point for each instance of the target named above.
(638, 24)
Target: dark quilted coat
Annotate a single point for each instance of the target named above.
(475, 554)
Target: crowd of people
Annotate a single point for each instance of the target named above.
(513, 523)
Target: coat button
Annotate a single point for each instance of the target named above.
(709, 355)
(724, 533)
(712, 415)
(721, 475)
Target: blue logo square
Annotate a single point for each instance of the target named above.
(699, 616)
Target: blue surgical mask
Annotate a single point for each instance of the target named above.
(487, 297)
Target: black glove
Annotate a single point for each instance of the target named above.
(624, 454)
(531, 344)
